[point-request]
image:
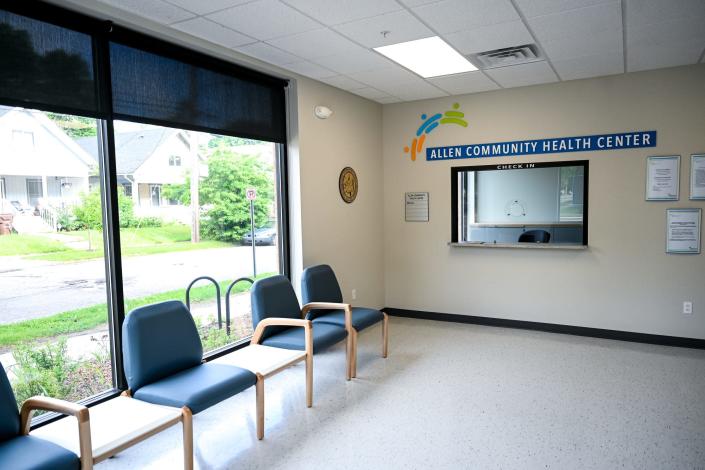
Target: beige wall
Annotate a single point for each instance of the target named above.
(349, 237)
(624, 281)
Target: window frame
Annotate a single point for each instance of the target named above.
(102, 32)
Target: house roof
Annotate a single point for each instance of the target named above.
(132, 148)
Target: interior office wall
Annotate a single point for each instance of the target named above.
(624, 280)
(349, 237)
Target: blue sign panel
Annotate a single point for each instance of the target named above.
(585, 143)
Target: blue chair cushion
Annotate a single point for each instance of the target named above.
(198, 388)
(29, 452)
(159, 340)
(273, 297)
(9, 414)
(319, 284)
(361, 318)
(324, 336)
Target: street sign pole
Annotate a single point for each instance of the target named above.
(251, 194)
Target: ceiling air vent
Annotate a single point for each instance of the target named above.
(507, 56)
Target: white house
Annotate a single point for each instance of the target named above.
(146, 160)
(39, 163)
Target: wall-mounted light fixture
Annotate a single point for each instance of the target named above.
(322, 112)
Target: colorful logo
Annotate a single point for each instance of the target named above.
(429, 123)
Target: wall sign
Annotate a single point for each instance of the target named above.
(683, 230)
(347, 184)
(416, 207)
(697, 176)
(585, 143)
(662, 178)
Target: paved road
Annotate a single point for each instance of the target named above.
(33, 289)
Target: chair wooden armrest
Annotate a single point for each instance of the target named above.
(347, 308)
(80, 412)
(276, 321)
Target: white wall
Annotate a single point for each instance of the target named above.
(349, 237)
(625, 280)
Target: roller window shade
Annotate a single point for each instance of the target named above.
(46, 66)
(150, 87)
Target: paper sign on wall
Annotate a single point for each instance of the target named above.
(416, 207)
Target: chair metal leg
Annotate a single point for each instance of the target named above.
(259, 390)
(187, 424)
(385, 335)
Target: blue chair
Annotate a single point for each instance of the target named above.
(19, 450)
(163, 361)
(319, 284)
(277, 319)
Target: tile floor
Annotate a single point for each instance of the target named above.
(453, 396)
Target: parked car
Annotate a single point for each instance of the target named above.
(263, 236)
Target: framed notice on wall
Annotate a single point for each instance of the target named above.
(683, 230)
(416, 207)
(662, 178)
(697, 176)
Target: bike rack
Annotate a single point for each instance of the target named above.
(217, 295)
(227, 300)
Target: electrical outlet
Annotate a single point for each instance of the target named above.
(354, 294)
(687, 308)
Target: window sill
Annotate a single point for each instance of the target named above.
(531, 246)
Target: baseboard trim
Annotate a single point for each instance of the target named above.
(662, 340)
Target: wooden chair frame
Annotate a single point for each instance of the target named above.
(80, 412)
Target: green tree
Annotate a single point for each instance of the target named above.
(89, 214)
(223, 192)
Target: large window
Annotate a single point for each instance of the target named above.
(123, 181)
(53, 300)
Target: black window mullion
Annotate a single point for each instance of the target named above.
(111, 213)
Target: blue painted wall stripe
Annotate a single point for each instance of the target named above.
(585, 143)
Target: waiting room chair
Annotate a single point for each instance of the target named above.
(163, 361)
(535, 236)
(277, 320)
(319, 284)
(19, 450)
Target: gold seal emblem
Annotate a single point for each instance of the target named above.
(347, 184)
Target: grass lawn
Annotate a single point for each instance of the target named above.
(24, 244)
(87, 318)
(134, 242)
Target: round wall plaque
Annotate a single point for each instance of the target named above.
(347, 184)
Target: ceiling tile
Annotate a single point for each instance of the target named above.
(384, 77)
(370, 93)
(487, 38)
(449, 16)
(590, 66)
(213, 32)
(340, 11)
(581, 45)
(402, 27)
(343, 82)
(264, 19)
(203, 7)
(643, 12)
(667, 33)
(316, 43)
(155, 10)
(521, 75)
(267, 53)
(353, 62)
(462, 83)
(417, 91)
(309, 69)
(532, 8)
(647, 58)
(388, 100)
(581, 22)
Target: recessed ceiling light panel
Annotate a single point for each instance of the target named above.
(429, 57)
